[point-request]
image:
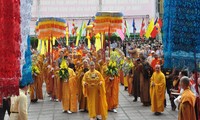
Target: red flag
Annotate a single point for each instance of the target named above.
(154, 31)
(142, 29)
(160, 22)
(125, 26)
(73, 23)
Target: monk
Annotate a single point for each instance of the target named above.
(81, 98)
(157, 91)
(155, 61)
(144, 83)
(112, 89)
(94, 89)
(35, 93)
(130, 76)
(68, 90)
(136, 80)
(36, 86)
(55, 81)
(187, 102)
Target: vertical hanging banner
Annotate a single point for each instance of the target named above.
(15, 18)
(9, 48)
(181, 37)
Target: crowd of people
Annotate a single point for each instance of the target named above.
(77, 77)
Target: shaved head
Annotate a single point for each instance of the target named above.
(185, 80)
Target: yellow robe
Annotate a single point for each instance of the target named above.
(56, 83)
(35, 89)
(81, 98)
(69, 92)
(157, 92)
(125, 81)
(112, 90)
(186, 107)
(95, 93)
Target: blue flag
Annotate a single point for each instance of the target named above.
(133, 24)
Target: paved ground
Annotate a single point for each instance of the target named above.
(128, 110)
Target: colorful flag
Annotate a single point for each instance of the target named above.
(89, 22)
(160, 24)
(154, 31)
(98, 41)
(142, 29)
(149, 29)
(156, 21)
(121, 34)
(133, 25)
(126, 29)
(73, 23)
(67, 34)
(79, 34)
(84, 25)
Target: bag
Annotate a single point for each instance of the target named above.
(147, 70)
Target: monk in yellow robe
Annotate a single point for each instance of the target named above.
(94, 89)
(46, 69)
(157, 91)
(48, 78)
(187, 102)
(55, 82)
(35, 92)
(81, 98)
(112, 89)
(69, 91)
(130, 76)
(36, 87)
(125, 77)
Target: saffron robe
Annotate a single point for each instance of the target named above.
(81, 98)
(186, 107)
(157, 92)
(69, 92)
(112, 90)
(95, 93)
(35, 89)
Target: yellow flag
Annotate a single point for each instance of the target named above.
(149, 29)
(54, 40)
(79, 34)
(46, 41)
(88, 37)
(43, 51)
(84, 25)
(98, 42)
(67, 35)
(39, 45)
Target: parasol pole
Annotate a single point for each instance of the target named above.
(102, 45)
(49, 50)
(195, 67)
(109, 39)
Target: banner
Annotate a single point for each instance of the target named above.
(181, 34)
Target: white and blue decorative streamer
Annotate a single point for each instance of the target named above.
(27, 67)
(25, 13)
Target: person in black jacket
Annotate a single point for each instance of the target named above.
(5, 107)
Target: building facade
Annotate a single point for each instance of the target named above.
(83, 10)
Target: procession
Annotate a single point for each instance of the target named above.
(96, 68)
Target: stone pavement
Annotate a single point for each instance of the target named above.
(127, 110)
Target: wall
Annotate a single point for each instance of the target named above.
(69, 9)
